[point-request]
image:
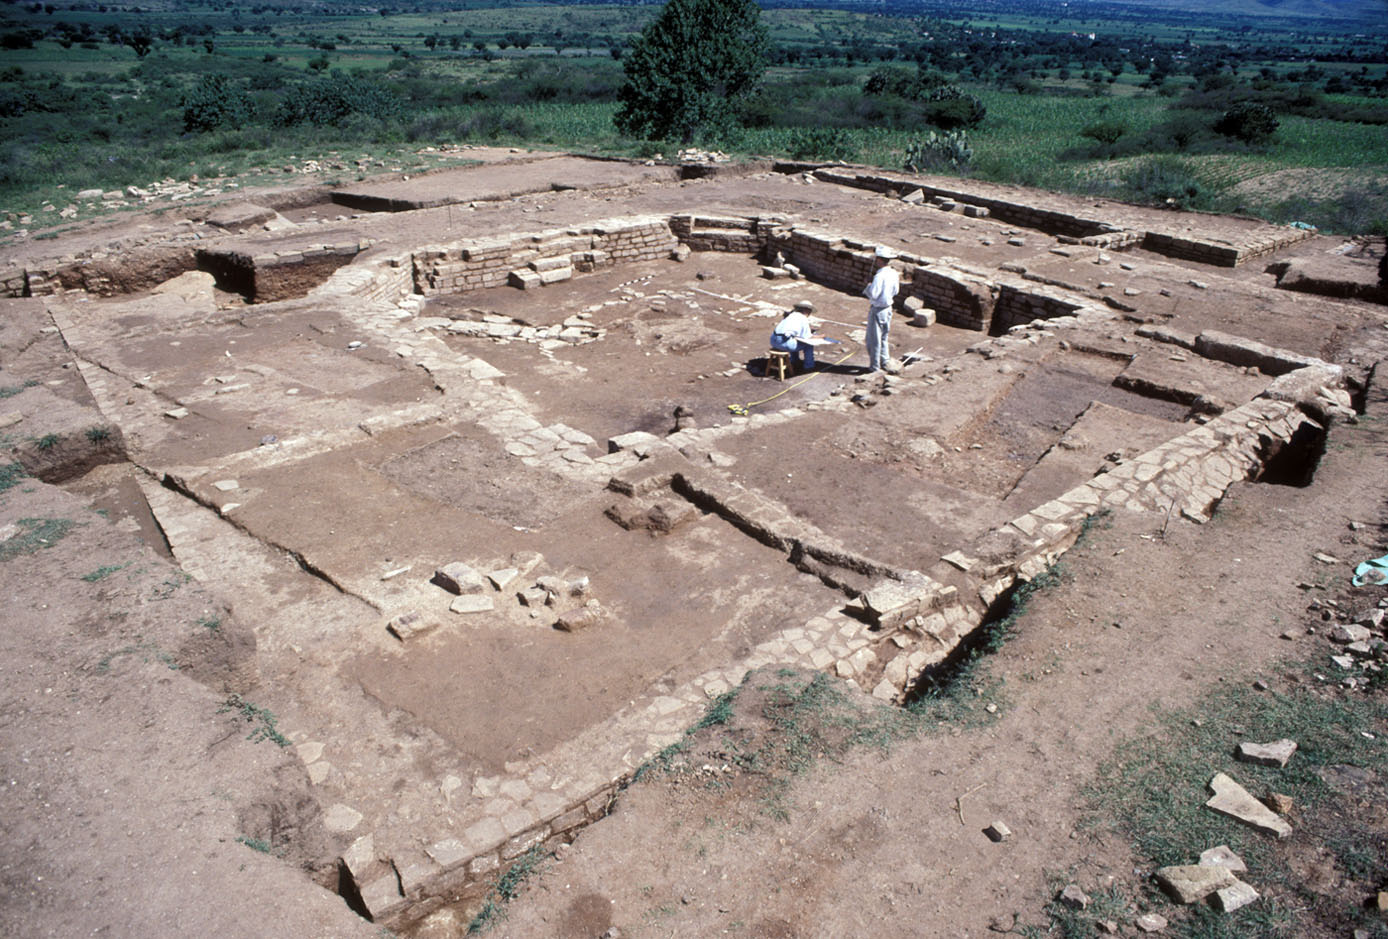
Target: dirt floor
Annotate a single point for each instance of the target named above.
(237, 499)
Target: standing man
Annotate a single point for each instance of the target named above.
(791, 333)
(880, 293)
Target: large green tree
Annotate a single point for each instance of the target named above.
(690, 68)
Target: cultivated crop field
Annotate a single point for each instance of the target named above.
(1124, 107)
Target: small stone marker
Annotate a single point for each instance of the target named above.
(177, 414)
(226, 485)
(1235, 896)
(408, 625)
(959, 560)
(1151, 922)
(1233, 800)
(500, 579)
(1188, 883)
(1276, 753)
(1223, 856)
(471, 603)
(914, 197)
(1279, 802)
(1349, 632)
(998, 832)
(458, 578)
(360, 855)
(1073, 897)
(583, 617)
(340, 818)
(631, 441)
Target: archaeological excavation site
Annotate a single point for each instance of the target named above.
(362, 540)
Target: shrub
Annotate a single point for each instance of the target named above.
(821, 143)
(1165, 182)
(1248, 121)
(213, 103)
(333, 98)
(950, 108)
(1104, 132)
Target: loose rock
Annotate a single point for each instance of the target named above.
(1276, 753)
(1233, 800)
(1188, 883)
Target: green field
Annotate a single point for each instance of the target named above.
(1127, 114)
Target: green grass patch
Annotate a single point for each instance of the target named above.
(11, 474)
(255, 844)
(9, 391)
(35, 534)
(46, 442)
(1152, 794)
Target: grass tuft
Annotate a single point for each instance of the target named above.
(101, 573)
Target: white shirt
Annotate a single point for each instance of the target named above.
(882, 291)
(796, 325)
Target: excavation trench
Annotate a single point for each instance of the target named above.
(982, 462)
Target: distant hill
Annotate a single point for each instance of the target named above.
(1369, 11)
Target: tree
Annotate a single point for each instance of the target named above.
(1249, 121)
(214, 102)
(691, 68)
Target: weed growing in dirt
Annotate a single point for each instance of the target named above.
(262, 720)
(9, 391)
(170, 585)
(10, 475)
(148, 652)
(211, 623)
(47, 442)
(101, 573)
(98, 434)
(255, 844)
(37, 534)
(506, 890)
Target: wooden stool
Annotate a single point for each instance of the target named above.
(778, 362)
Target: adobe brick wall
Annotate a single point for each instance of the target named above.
(480, 263)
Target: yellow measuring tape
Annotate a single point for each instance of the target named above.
(741, 410)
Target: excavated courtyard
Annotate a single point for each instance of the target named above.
(491, 474)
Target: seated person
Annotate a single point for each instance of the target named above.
(790, 333)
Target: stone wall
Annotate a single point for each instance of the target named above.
(531, 259)
(725, 233)
(1086, 230)
(1013, 213)
(1016, 306)
(959, 298)
(1222, 254)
